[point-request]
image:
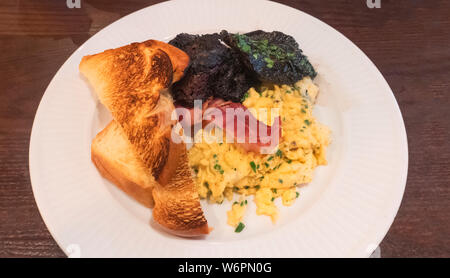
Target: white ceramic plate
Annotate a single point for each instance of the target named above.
(345, 211)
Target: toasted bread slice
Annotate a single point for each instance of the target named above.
(128, 81)
(116, 160)
(178, 209)
(177, 205)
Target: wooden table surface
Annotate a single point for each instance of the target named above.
(409, 41)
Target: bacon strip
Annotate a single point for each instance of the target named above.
(249, 133)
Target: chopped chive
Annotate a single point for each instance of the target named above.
(279, 153)
(280, 181)
(307, 122)
(245, 47)
(219, 168)
(206, 184)
(239, 227)
(257, 186)
(270, 158)
(244, 97)
(273, 198)
(246, 187)
(297, 194)
(274, 190)
(269, 62)
(253, 165)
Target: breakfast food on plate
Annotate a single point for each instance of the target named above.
(215, 71)
(273, 56)
(128, 81)
(223, 169)
(117, 161)
(257, 94)
(176, 197)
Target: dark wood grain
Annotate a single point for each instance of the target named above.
(409, 41)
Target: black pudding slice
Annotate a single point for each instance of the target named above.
(273, 56)
(215, 71)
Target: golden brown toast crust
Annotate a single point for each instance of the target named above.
(113, 172)
(177, 204)
(179, 59)
(128, 81)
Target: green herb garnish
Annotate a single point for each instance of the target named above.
(239, 227)
(219, 168)
(279, 153)
(245, 97)
(276, 167)
(253, 165)
(269, 62)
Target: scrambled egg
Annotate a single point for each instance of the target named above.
(222, 169)
(236, 214)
